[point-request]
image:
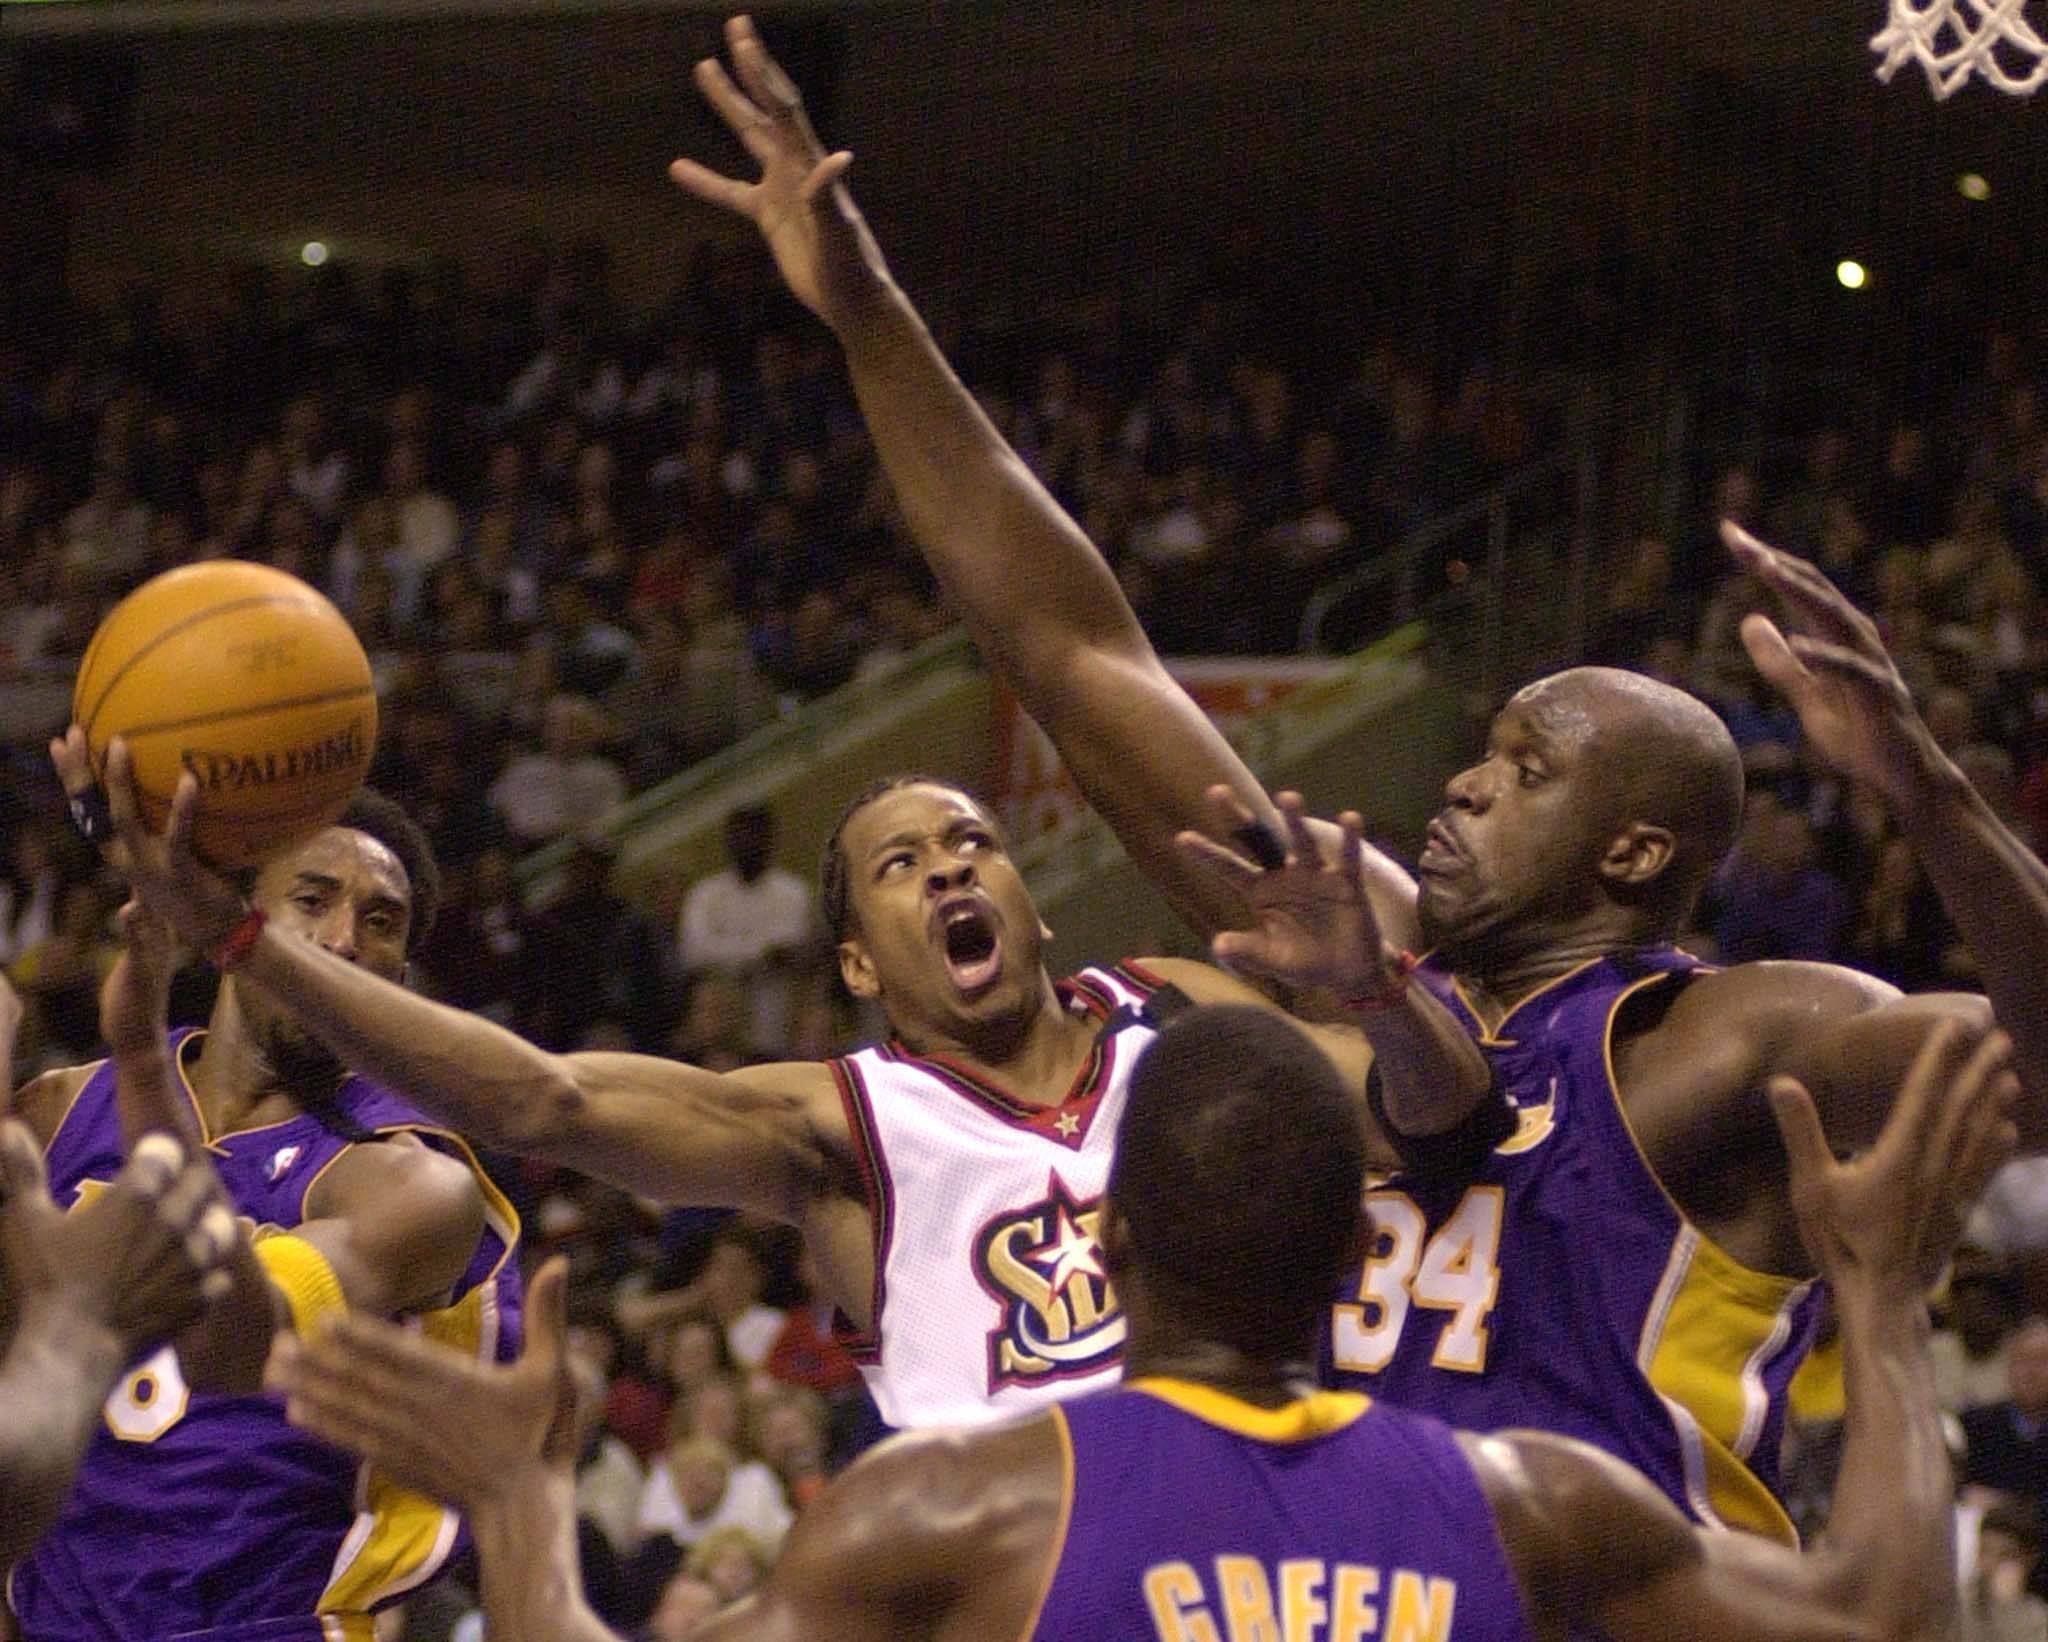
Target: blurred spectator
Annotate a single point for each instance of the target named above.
(1997, 1604)
(790, 1435)
(750, 922)
(593, 956)
(701, 1485)
(1772, 898)
(686, 1603)
(730, 1559)
(609, 1480)
(2007, 1442)
(568, 785)
(1971, 1351)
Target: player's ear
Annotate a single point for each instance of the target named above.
(857, 969)
(1637, 854)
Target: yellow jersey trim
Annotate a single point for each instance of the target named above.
(1711, 1329)
(1315, 1415)
(303, 1276)
(1059, 1534)
(1490, 1037)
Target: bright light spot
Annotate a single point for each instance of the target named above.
(1973, 187)
(1853, 275)
(313, 253)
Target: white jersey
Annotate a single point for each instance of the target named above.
(990, 1297)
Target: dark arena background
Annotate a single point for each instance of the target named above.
(1391, 354)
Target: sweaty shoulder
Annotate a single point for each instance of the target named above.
(1576, 1522)
(1726, 1027)
(42, 1101)
(972, 1517)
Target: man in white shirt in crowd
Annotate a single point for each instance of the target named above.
(566, 786)
(750, 922)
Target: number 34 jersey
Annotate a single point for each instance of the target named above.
(1560, 1287)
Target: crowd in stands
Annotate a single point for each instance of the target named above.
(669, 529)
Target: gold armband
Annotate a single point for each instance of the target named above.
(303, 1276)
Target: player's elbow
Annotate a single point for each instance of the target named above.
(545, 1114)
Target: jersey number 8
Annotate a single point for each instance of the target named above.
(1456, 1271)
(150, 1401)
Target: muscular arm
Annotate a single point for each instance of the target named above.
(1995, 891)
(1044, 606)
(1595, 1543)
(938, 1534)
(767, 1139)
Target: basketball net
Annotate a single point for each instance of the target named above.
(1952, 40)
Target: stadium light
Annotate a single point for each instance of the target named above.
(313, 253)
(1973, 185)
(1853, 275)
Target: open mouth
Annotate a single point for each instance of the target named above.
(1440, 852)
(974, 956)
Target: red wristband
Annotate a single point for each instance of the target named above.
(1393, 994)
(233, 950)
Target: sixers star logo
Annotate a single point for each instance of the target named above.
(1043, 1265)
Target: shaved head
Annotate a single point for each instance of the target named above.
(1664, 758)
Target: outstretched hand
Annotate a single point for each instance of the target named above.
(435, 1418)
(141, 1257)
(1829, 662)
(1312, 921)
(1892, 1215)
(165, 872)
(819, 239)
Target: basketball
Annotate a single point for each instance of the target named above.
(248, 678)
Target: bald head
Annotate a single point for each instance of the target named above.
(1662, 756)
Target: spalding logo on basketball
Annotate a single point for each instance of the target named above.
(249, 679)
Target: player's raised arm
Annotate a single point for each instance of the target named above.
(1042, 603)
(1830, 663)
(90, 1292)
(764, 1139)
(1595, 1542)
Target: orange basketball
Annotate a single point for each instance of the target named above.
(246, 677)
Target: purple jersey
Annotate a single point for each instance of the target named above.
(211, 1518)
(1192, 1514)
(1560, 1287)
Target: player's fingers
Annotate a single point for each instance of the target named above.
(153, 1168)
(714, 188)
(357, 1424)
(770, 87)
(120, 785)
(393, 1360)
(1971, 1102)
(1806, 1143)
(746, 121)
(208, 1242)
(1773, 657)
(1227, 812)
(1917, 1112)
(547, 1314)
(1986, 1142)
(1844, 661)
(178, 834)
(1301, 843)
(22, 1177)
(332, 1364)
(74, 764)
(817, 189)
(1199, 850)
(187, 1200)
(1245, 952)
